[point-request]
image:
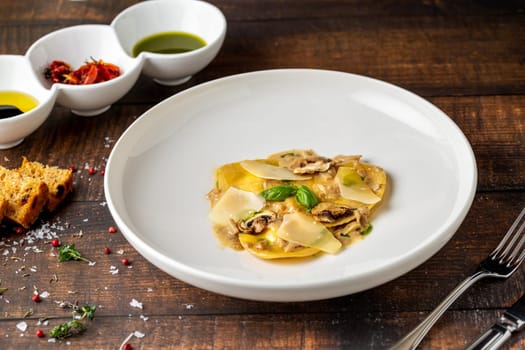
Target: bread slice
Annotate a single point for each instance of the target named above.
(3, 206)
(25, 196)
(59, 181)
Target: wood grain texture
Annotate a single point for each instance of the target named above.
(467, 58)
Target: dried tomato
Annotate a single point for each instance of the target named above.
(89, 73)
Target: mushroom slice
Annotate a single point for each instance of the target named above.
(302, 161)
(332, 213)
(258, 222)
(313, 166)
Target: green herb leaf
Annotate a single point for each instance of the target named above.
(86, 311)
(67, 329)
(367, 230)
(305, 197)
(69, 252)
(278, 193)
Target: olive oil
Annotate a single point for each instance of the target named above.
(13, 103)
(168, 43)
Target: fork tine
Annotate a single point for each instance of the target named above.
(497, 251)
(518, 248)
(520, 258)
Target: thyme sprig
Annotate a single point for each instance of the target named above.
(85, 311)
(67, 329)
(74, 326)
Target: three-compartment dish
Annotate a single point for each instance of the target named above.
(112, 43)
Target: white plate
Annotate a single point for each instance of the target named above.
(160, 170)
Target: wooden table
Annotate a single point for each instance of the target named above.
(467, 58)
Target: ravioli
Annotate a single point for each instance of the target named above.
(295, 204)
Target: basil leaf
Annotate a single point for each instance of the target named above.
(367, 230)
(305, 197)
(278, 193)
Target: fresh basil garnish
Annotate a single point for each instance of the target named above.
(305, 197)
(278, 193)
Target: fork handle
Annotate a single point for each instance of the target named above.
(412, 339)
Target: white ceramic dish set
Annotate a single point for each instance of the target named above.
(112, 43)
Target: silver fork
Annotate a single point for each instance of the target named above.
(501, 263)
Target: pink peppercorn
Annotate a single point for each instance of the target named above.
(125, 261)
(91, 171)
(55, 243)
(36, 298)
(39, 333)
(112, 229)
(107, 250)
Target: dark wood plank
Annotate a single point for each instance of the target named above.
(462, 55)
(98, 11)
(252, 10)
(307, 331)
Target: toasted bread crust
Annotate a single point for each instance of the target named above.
(28, 190)
(3, 206)
(59, 181)
(26, 196)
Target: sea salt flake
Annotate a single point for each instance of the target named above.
(92, 263)
(42, 323)
(138, 334)
(144, 318)
(22, 326)
(136, 303)
(45, 294)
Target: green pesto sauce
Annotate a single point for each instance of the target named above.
(168, 43)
